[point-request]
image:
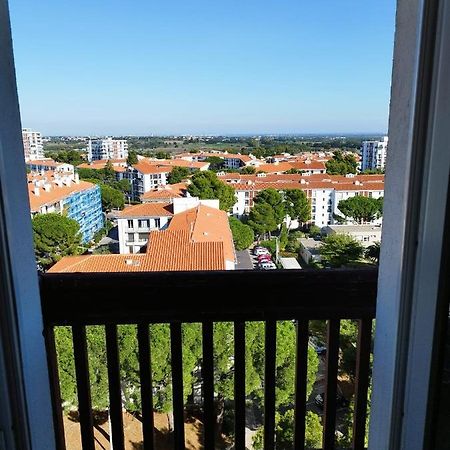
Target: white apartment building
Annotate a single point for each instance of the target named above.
(48, 165)
(107, 148)
(373, 154)
(146, 176)
(32, 144)
(136, 222)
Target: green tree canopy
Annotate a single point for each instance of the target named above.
(206, 185)
(275, 200)
(248, 170)
(243, 235)
(215, 163)
(132, 158)
(297, 205)
(111, 198)
(66, 156)
(373, 252)
(262, 219)
(341, 164)
(340, 249)
(361, 209)
(177, 174)
(55, 236)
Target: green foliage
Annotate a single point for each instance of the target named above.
(249, 170)
(55, 236)
(373, 172)
(243, 235)
(162, 155)
(177, 174)
(111, 198)
(341, 164)
(275, 200)
(132, 158)
(262, 219)
(361, 209)
(206, 185)
(297, 205)
(66, 156)
(373, 252)
(284, 431)
(284, 236)
(340, 249)
(271, 245)
(215, 163)
(314, 230)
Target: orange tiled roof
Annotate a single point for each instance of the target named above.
(206, 224)
(56, 193)
(147, 210)
(275, 167)
(147, 167)
(166, 192)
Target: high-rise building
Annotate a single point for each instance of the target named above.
(373, 154)
(32, 145)
(107, 148)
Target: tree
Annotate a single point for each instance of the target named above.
(249, 170)
(206, 185)
(361, 209)
(177, 174)
(243, 235)
(275, 200)
(297, 205)
(111, 198)
(262, 219)
(108, 171)
(373, 252)
(215, 163)
(341, 164)
(340, 249)
(132, 158)
(284, 236)
(55, 236)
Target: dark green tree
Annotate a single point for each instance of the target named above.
(215, 163)
(55, 236)
(243, 235)
(341, 164)
(206, 185)
(249, 170)
(262, 219)
(132, 158)
(297, 205)
(361, 209)
(275, 200)
(178, 174)
(108, 171)
(373, 252)
(340, 249)
(284, 236)
(111, 198)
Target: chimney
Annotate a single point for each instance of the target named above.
(47, 187)
(36, 191)
(77, 178)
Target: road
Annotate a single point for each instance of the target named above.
(244, 260)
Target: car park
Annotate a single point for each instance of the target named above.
(264, 258)
(261, 251)
(267, 265)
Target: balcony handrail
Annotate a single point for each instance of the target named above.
(101, 298)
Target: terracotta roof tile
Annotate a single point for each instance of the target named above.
(147, 210)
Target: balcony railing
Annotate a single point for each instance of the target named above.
(78, 300)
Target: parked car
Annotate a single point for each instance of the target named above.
(261, 251)
(318, 346)
(341, 401)
(264, 258)
(267, 265)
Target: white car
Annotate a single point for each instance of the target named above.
(267, 265)
(261, 251)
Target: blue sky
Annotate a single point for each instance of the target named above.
(203, 66)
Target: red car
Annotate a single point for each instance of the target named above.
(264, 258)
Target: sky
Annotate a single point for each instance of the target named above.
(142, 67)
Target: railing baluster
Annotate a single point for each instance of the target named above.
(239, 385)
(177, 384)
(331, 384)
(362, 382)
(115, 393)
(55, 392)
(145, 375)
(269, 384)
(83, 386)
(208, 385)
(301, 371)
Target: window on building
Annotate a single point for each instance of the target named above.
(130, 237)
(144, 223)
(130, 224)
(158, 223)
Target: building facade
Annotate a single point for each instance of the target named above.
(373, 154)
(32, 144)
(79, 200)
(107, 148)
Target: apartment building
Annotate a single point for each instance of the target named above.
(135, 222)
(49, 165)
(67, 194)
(32, 144)
(107, 148)
(198, 238)
(324, 191)
(373, 154)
